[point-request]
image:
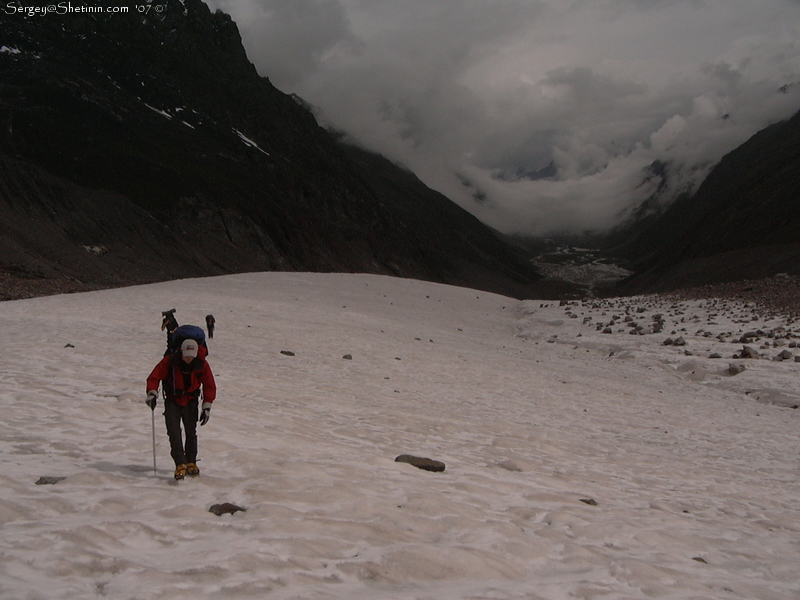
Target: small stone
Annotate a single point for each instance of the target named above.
(225, 509)
(589, 501)
(735, 369)
(49, 480)
(348, 357)
(510, 465)
(748, 352)
(287, 353)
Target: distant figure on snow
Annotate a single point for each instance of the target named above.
(169, 323)
(210, 321)
(183, 375)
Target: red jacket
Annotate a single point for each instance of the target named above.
(171, 370)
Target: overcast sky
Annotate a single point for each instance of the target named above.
(538, 116)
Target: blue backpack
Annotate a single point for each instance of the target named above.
(185, 332)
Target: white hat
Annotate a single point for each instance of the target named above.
(189, 349)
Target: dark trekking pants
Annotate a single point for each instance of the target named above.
(174, 416)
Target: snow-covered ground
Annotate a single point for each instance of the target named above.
(586, 465)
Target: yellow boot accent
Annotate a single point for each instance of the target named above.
(180, 471)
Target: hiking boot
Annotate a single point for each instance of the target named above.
(191, 469)
(180, 471)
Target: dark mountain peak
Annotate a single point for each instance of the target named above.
(154, 121)
(742, 223)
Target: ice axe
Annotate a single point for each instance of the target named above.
(153, 415)
(152, 398)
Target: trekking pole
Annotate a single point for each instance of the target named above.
(153, 413)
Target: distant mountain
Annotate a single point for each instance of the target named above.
(138, 147)
(742, 223)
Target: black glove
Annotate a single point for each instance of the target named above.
(205, 415)
(152, 396)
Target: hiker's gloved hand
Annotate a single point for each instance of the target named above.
(206, 414)
(152, 396)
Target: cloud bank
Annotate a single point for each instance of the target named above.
(538, 116)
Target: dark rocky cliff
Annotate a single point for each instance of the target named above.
(743, 222)
(137, 148)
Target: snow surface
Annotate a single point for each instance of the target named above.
(694, 483)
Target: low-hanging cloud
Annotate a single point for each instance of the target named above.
(538, 116)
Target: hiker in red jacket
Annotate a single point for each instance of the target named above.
(183, 374)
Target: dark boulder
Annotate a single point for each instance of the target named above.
(225, 508)
(427, 464)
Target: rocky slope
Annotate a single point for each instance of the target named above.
(743, 222)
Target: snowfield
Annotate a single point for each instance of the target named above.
(579, 464)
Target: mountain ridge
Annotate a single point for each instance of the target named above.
(165, 119)
(743, 222)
